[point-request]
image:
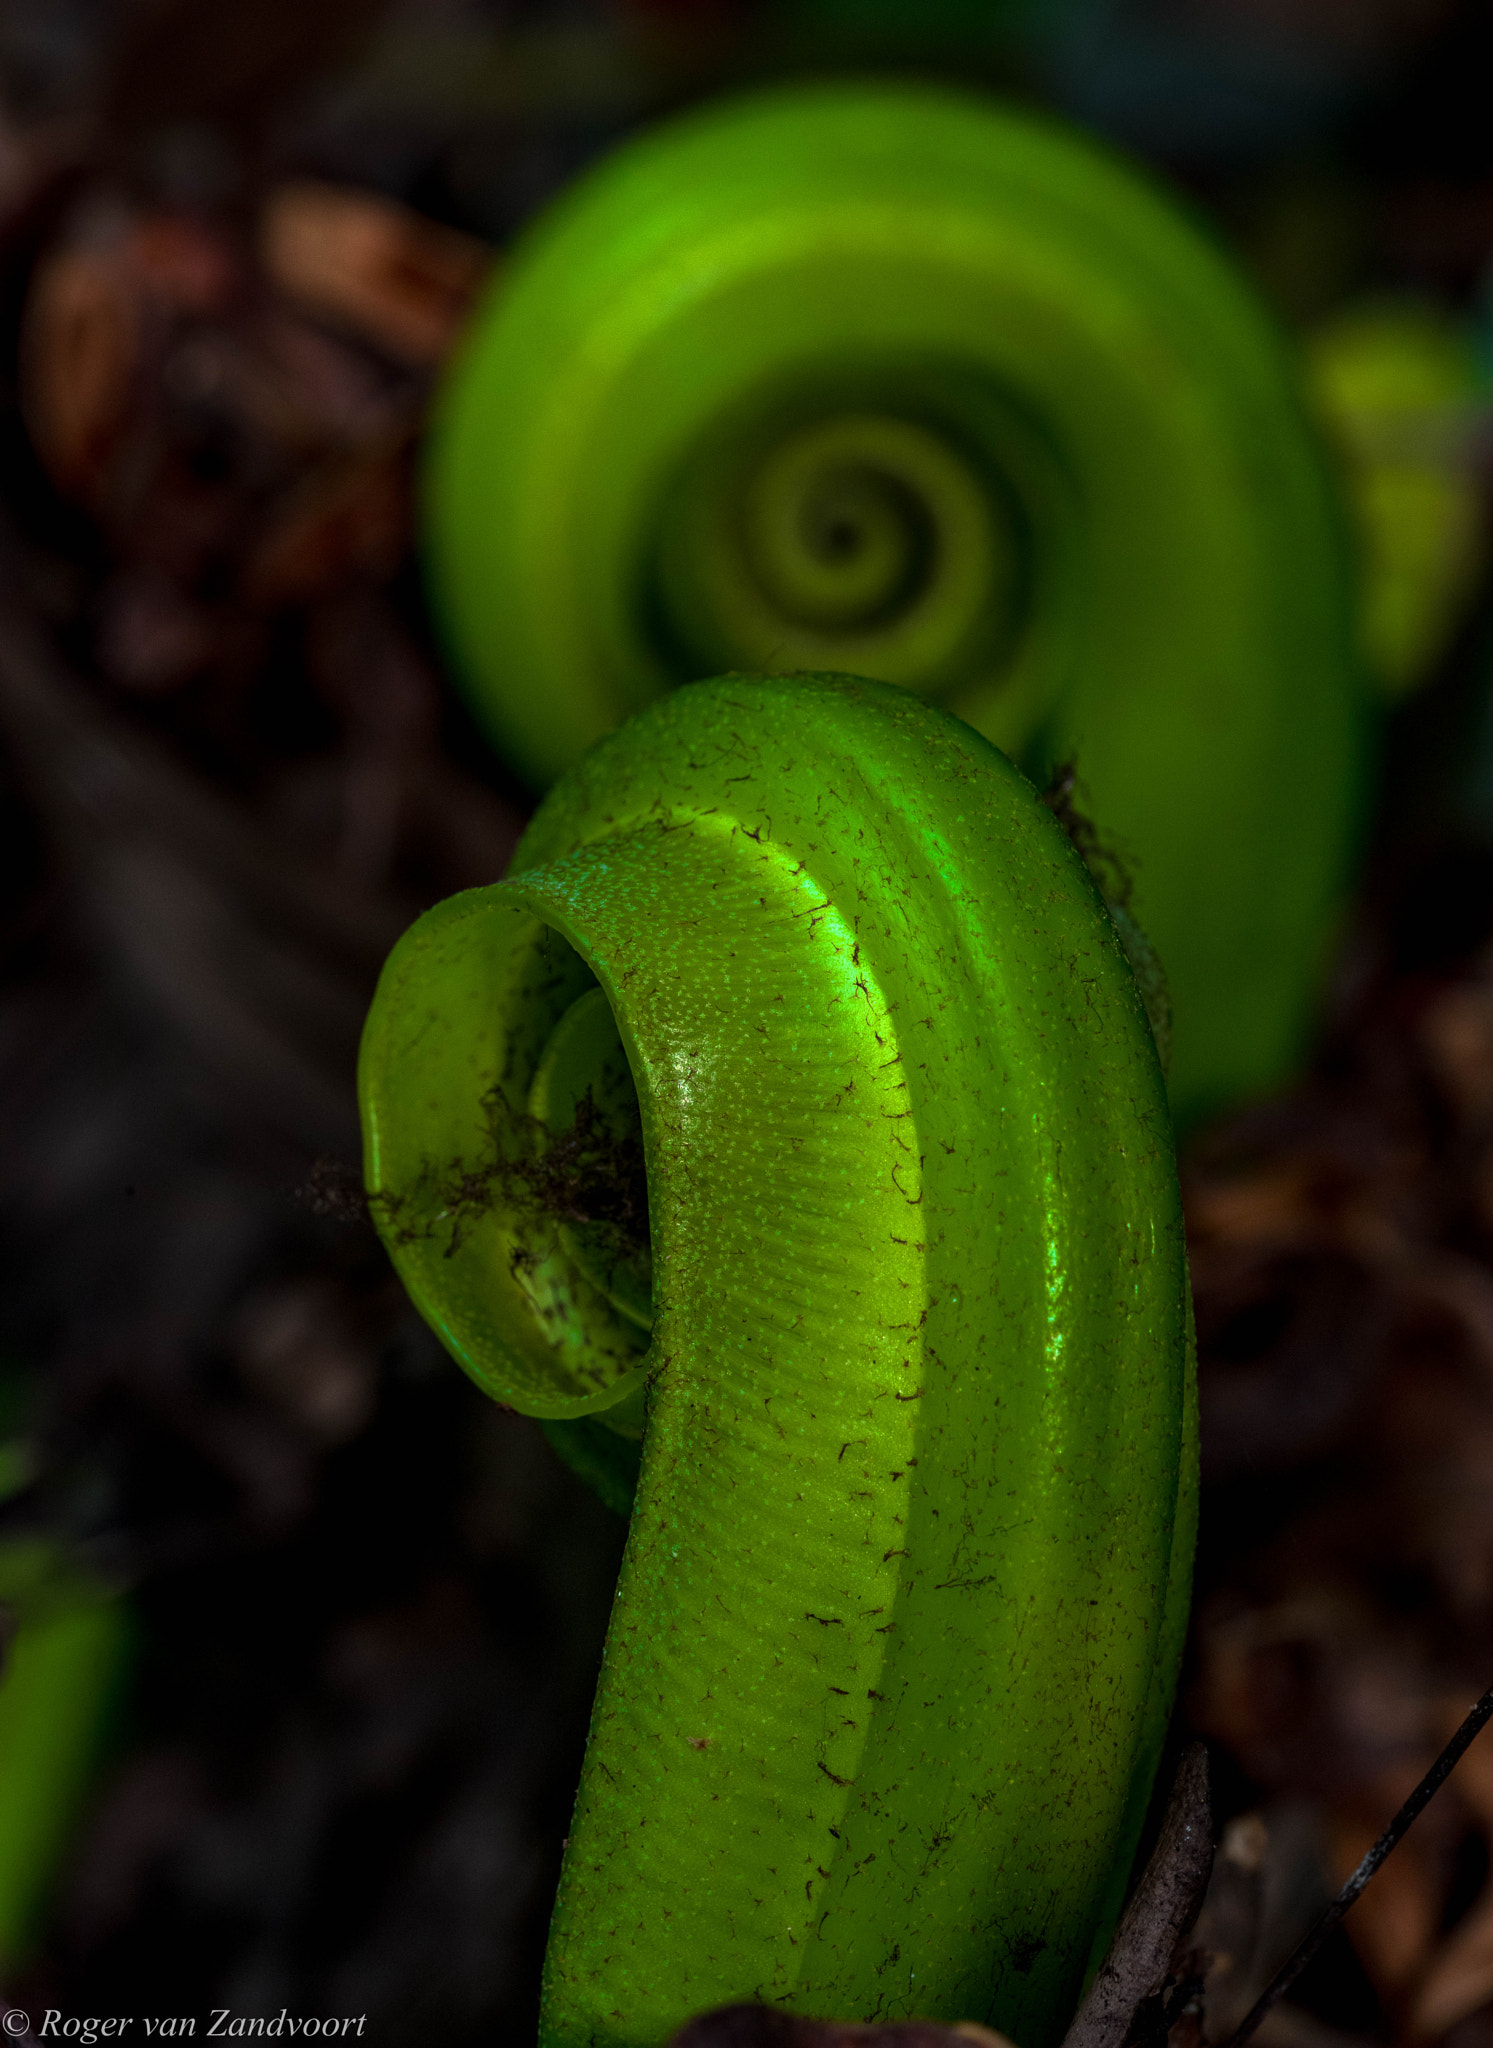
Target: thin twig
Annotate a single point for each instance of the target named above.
(1419, 1799)
(1164, 1905)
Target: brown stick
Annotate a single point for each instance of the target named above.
(1163, 1906)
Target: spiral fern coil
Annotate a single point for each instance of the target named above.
(787, 1132)
(885, 379)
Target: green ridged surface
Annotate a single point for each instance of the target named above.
(907, 1572)
(884, 379)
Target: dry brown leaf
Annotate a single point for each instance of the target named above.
(80, 344)
(373, 265)
(1257, 1209)
(89, 320)
(1395, 1922)
(1457, 1032)
(89, 309)
(1459, 1979)
(181, 262)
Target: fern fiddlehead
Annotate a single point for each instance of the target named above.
(889, 380)
(801, 971)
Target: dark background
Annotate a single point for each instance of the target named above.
(369, 1605)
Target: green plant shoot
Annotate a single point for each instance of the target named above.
(786, 1131)
(888, 379)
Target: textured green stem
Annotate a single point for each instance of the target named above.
(902, 1601)
(893, 381)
